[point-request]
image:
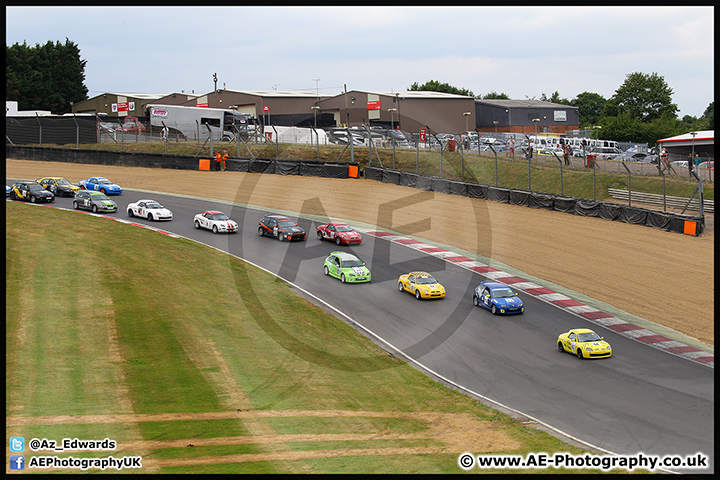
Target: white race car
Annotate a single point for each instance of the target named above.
(149, 209)
(215, 221)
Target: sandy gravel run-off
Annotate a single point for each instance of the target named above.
(663, 277)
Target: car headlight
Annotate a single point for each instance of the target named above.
(589, 349)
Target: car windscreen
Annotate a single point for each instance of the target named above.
(351, 263)
(588, 337)
(503, 293)
(105, 182)
(286, 223)
(220, 216)
(62, 181)
(426, 280)
(36, 188)
(99, 198)
(343, 229)
(153, 205)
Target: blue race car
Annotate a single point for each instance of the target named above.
(497, 298)
(100, 184)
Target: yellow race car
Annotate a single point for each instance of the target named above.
(59, 186)
(584, 343)
(421, 284)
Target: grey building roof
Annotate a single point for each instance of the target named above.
(524, 104)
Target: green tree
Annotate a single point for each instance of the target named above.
(590, 107)
(709, 117)
(495, 96)
(555, 98)
(45, 77)
(646, 97)
(435, 86)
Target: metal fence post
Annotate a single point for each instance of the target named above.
(629, 183)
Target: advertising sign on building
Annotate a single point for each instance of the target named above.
(373, 105)
(560, 115)
(123, 107)
(423, 134)
(202, 105)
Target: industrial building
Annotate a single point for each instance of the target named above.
(409, 111)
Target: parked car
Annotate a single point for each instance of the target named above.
(709, 165)
(605, 153)
(131, 125)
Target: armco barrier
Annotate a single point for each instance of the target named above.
(672, 222)
(183, 162)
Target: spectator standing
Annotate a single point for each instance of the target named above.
(224, 160)
(697, 160)
(218, 161)
(512, 147)
(566, 154)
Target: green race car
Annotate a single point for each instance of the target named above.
(347, 267)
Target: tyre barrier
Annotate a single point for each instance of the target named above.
(671, 222)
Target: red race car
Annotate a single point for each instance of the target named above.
(339, 233)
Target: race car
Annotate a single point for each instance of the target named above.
(347, 267)
(30, 191)
(58, 186)
(584, 343)
(497, 298)
(216, 221)
(94, 201)
(421, 284)
(100, 184)
(280, 227)
(149, 209)
(8, 189)
(339, 233)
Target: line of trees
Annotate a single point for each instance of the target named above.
(45, 77)
(641, 110)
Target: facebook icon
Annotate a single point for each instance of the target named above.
(17, 462)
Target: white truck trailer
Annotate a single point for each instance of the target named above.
(190, 122)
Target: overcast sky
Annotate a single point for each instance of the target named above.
(520, 51)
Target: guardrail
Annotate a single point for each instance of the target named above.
(657, 199)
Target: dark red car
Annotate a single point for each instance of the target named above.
(339, 233)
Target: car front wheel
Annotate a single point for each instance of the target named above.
(580, 354)
(214, 229)
(326, 270)
(150, 217)
(494, 310)
(476, 302)
(319, 235)
(260, 231)
(75, 205)
(130, 212)
(338, 240)
(560, 347)
(281, 237)
(417, 294)
(33, 199)
(197, 224)
(400, 286)
(342, 278)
